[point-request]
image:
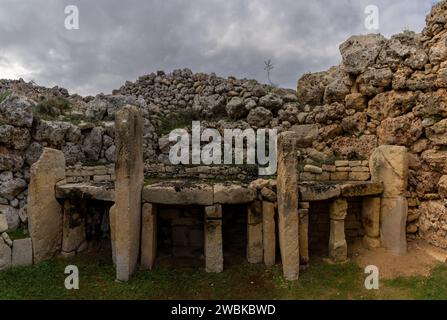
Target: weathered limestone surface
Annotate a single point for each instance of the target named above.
(338, 209)
(254, 233)
(371, 216)
(287, 191)
(126, 212)
(213, 239)
(338, 249)
(148, 235)
(393, 224)
(85, 191)
(73, 228)
(22, 252)
(269, 233)
(319, 191)
(5, 255)
(361, 189)
(389, 165)
(180, 193)
(44, 212)
(304, 236)
(3, 223)
(233, 194)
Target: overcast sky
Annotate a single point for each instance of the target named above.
(120, 40)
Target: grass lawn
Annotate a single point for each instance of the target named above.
(320, 281)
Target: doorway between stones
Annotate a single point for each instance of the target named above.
(319, 226)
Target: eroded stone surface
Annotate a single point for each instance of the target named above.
(269, 233)
(213, 242)
(44, 211)
(126, 212)
(177, 192)
(254, 233)
(148, 235)
(393, 216)
(22, 252)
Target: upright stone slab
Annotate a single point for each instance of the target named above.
(269, 233)
(148, 236)
(125, 215)
(213, 239)
(287, 191)
(393, 224)
(371, 216)
(254, 232)
(304, 236)
(338, 249)
(5, 255)
(22, 252)
(73, 227)
(389, 165)
(44, 211)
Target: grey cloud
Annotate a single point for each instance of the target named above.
(121, 40)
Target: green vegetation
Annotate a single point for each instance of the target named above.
(245, 281)
(180, 121)
(3, 96)
(51, 108)
(18, 234)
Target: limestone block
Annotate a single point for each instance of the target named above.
(73, 227)
(361, 189)
(393, 217)
(338, 209)
(269, 233)
(22, 252)
(371, 243)
(359, 176)
(287, 191)
(5, 255)
(3, 223)
(371, 216)
(179, 193)
(389, 165)
(233, 194)
(213, 245)
(318, 191)
(254, 233)
(304, 236)
(213, 212)
(339, 176)
(148, 236)
(44, 211)
(338, 249)
(126, 212)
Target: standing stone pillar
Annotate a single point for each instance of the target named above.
(304, 236)
(371, 222)
(254, 232)
(269, 233)
(389, 165)
(44, 212)
(125, 215)
(148, 236)
(73, 228)
(213, 238)
(338, 249)
(287, 191)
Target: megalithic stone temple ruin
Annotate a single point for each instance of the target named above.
(361, 158)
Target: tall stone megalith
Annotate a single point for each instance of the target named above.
(44, 211)
(288, 219)
(125, 215)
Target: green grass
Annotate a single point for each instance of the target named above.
(244, 281)
(3, 96)
(17, 234)
(182, 120)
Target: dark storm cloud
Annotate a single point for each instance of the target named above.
(121, 40)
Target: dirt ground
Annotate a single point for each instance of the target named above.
(420, 260)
